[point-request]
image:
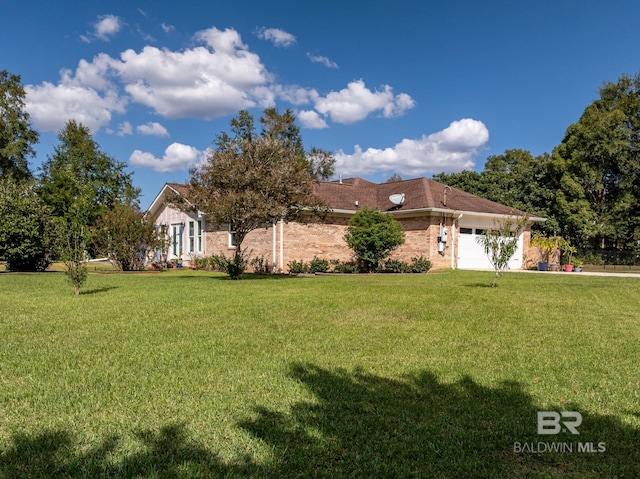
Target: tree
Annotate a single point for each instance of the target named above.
(373, 235)
(77, 167)
(74, 239)
(393, 178)
(27, 231)
(126, 237)
(501, 242)
(598, 166)
(251, 180)
(16, 135)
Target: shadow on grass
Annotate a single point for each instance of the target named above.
(103, 289)
(358, 425)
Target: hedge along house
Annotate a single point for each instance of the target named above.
(441, 224)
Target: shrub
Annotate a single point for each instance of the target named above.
(201, 262)
(318, 265)
(373, 235)
(235, 265)
(420, 264)
(297, 267)
(27, 232)
(395, 266)
(346, 267)
(260, 265)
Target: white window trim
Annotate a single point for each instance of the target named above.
(177, 239)
(232, 237)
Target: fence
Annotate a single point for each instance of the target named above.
(610, 258)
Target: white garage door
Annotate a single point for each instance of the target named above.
(471, 254)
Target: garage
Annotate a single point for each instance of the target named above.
(471, 255)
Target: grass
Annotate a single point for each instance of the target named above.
(187, 374)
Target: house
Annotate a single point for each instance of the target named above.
(440, 223)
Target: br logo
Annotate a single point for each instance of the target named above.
(553, 422)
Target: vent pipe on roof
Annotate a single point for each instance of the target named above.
(340, 182)
(446, 187)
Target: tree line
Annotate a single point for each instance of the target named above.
(588, 188)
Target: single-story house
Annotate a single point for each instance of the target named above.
(440, 223)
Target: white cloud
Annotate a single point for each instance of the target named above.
(152, 128)
(176, 157)
(311, 119)
(167, 28)
(215, 79)
(451, 149)
(356, 102)
(104, 28)
(124, 129)
(51, 106)
(323, 60)
(203, 82)
(278, 37)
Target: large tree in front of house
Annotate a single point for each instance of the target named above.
(16, 135)
(252, 179)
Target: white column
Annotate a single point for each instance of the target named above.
(274, 259)
(282, 246)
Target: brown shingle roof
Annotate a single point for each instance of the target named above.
(420, 193)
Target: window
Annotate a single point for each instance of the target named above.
(466, 231)
(192, 237)
(480, 231)
(195, 236)
(232, 236)
(176, 239)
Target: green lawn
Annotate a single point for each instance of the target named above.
(188, 374)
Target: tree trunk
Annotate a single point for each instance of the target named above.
(495, 279)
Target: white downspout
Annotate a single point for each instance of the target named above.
(281, 246)
(454, 253)
(273, 256)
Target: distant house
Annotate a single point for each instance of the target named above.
(440, 224)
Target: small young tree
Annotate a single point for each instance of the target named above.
(126, 237)
(74, 235)
(501, 242)
(373, 235)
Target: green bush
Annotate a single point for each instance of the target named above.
(297, 267)
(373, 235)
(318, 265)
(395, 266)
(420, 264)
(260, 265)
(27, 232)
(347, 267)
(235, 265)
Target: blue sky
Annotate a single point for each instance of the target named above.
(411, 87)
